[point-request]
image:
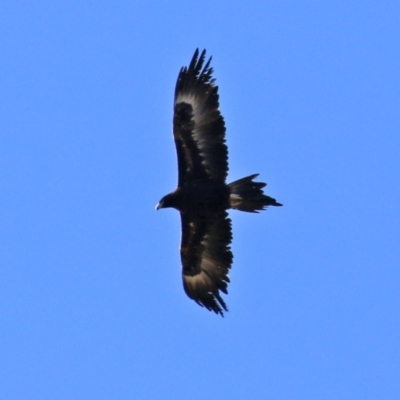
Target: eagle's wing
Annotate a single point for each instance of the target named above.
(206, 258)
(199, 128)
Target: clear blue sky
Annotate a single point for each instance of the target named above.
(91, 299)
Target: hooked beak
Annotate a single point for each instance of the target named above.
(159, 205)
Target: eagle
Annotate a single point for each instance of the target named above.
(202, 195)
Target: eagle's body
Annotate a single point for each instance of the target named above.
(202, 196)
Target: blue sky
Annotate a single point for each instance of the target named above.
(91, 299)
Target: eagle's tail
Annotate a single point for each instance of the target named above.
(246, 195)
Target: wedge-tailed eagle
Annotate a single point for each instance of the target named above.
(202, 196)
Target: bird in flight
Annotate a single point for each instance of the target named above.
(202, 196)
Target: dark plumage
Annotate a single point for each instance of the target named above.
(202, 196)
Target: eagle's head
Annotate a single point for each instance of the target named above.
(170, 200)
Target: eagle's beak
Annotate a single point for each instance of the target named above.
(159, 205)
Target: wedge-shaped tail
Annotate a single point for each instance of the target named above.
(247, 195)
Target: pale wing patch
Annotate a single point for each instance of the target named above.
(198, 282)
(201, 118)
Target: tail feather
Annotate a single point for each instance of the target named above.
(246, 195)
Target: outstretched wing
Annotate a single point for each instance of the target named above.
(206, 258)
(199, 128)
